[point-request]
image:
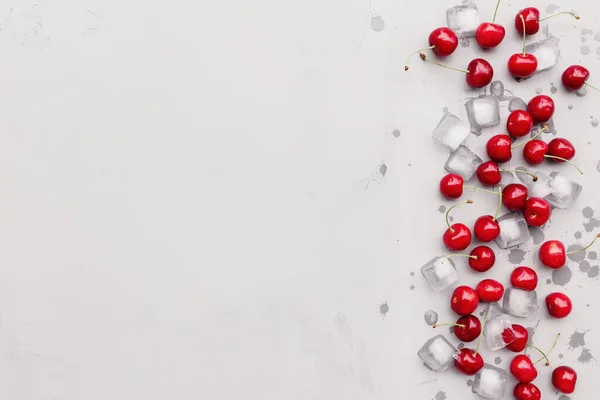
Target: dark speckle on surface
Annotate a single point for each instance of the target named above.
(383, 169)
(412, 287)
(585, 357)
(412, 274)
(564, 397)
(460, 345)
(561, 355)
(562, 276)
(497, 360)
(396, 133)
(553, 88)
(409, 164)
(584, 266)
(431, 317)
(592, 255)
(570, 106)
(377, 23)
(470, 383)
(384, 309)
(440, 396)
(577, 257)
(516, 256)
(576, 340)
(538, 91)
(442, 209)
(537, 234)
(577, 235)
(588, 212)
(594, 271)
(548, 281)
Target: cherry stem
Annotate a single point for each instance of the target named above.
(533, 137)
(450, 324)
(524, 29)
(560, 13)
(565, 160)
(461, 255)
(481, 334)
(592, 86)
(499, 203)
(424, 58)
(548, 352)
(478, 189)
(450, 209)
(412, 54)
(586, 247)
(496, 11)
(518, 171)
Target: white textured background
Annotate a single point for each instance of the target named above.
(194, 204)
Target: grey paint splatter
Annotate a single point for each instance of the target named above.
(445, 110)
(594, 271)
(460, 345)
(396, 133)
(412, 274)
(451, 218)
(517, 103)
(409, 164)
(537, 234)
(560, 355)
(570, 106)
(551, 8)
(431, 317)
(384, 309)
(412, 287)
(588, 212)
(440, 396)
(584, 266)
(577, 257)
(577, 235)
(465, 42)
(564, 397)
(576, 340)
(595, 122)
(585, 50)
(585, 357)
(592, 255)
(553, 88)
(516, 256)
(497, 360)
(451, 330)
(538, 91)
(383, 169)
(377, 23)
(591, 225)
(470, 383)
(562, 276)
(442, 209)
(548, 281)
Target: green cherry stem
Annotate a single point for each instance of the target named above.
(461, 255)
(545, 127)
(518, 171)
(524, 29)
(592, 86)
(586, 247)
(545, 356)
(576, 16)
(485, 317)
(450, 209)
(478, 189)
(424, 58)
(412, 54)
(449, 324)
(496, 11)
(499, 203)
(565, 160)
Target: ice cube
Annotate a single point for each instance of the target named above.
(440, 273)
(516, 103)
(483, 112)
(520, 303)
(437, 353)
(497, 88)
(546, 51)
(540, 188)
(564, 191)
(506, 178)
(497, 331)
(513, 230)
(490, 382)
(463, 20)
(451, 132)
(463, 162)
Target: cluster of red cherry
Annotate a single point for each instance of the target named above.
(479, 72)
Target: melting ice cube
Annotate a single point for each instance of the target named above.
(520, 303)
(516, 103)
(451, 132)
(483, 112)
(564, 191)
(440, 272)
(546, 51)
(540, 188)
(491, 382)
(463, 20)
(513, 231)
(463, 162)
(437, 353)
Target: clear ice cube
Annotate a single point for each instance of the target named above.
(546, 51)
(506, 178)
(497, 331)
(463, 162)
(564, 191)
(451, 132)
(517, 103)
(540, 188)
(513, 231)
(463, 20)
(483, 112)
(437, 353)
(440, 273)
(520, 303)
(491, 382)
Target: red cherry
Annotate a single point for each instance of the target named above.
(575, 77)
(552, 254)
(531, 15)
(488, 173)
(524, 278)
(536, 211)
(486, 228)
(559, 305)
(480, 73)
(514, 196)
(564, 379)
(541, 108)
(519, 123)
(562, 148)
(468, 361)
(466, 329)
(499, 148)
(485, 258)
(451, 186)
(489, 35)
(527, 391)
(522, 65)
(442, 41)
(489, 290)
(535, 151)
(457, 236)
(522, 368)
(464, 300)
(522, 336)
